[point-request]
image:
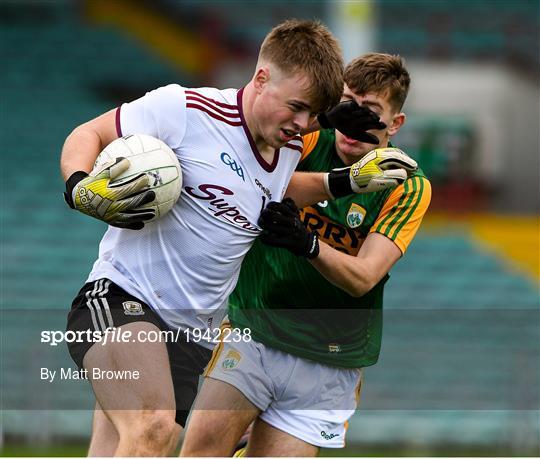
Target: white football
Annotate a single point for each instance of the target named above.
(151, 156)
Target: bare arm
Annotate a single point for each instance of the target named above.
(377, 170)
(358, 275)
(84, 144)
(306, 188)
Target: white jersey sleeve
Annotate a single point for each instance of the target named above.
(160, 113)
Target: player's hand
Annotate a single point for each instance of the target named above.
(379, 169)
(353, 120)
(282, 227)
(114, 203)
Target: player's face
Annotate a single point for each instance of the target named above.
(282, 109)
(350, 150)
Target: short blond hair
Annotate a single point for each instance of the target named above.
(308, 47)
(379, 73)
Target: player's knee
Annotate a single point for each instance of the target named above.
(200, 441)
(155, 429)
(159, 427)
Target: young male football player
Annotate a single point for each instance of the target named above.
(176, 273)
(315, 322)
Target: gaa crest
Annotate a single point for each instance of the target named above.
(231, 360)
(355, 216)
(132, 308)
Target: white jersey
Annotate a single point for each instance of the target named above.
(186, 264)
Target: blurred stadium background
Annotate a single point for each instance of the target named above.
(459, 372)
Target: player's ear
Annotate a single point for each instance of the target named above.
(398, 120)
(261, 78)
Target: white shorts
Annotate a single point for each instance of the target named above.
(303, 398)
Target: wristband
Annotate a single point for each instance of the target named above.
(337, 183)
(73, 179)
(313, 251)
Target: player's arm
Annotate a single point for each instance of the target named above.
(381, 168)
(307, 188)
(96, 195)
(84, 144)
(395, 227)
(392, 232)
(159, 113)
(358, 275)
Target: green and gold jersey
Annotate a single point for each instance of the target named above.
(290, 306)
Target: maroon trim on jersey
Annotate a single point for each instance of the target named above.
(294, 147)
(117, 122)
(266, 166)
(214, 115)
(300, 147)
(217, 102)
(213, 107)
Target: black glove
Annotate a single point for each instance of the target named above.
(353, 120)
(282, 227)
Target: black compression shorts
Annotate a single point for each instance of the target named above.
(102, 304)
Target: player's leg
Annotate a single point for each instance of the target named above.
(312, 410)
(266, 440)
(219, 418)
(235, 390)
(105, 437)
(141, 409)
(187, 361)
(140, 406)
(241, 446)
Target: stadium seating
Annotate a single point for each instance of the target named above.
(58, 70)
(482, 30)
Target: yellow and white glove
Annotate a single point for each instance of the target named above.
(114, 203)
(379, 169)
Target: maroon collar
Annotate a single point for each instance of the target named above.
(267, 167)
